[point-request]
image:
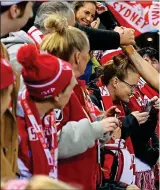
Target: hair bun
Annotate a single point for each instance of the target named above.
(120, 59)
(27, 55)
(56, 23)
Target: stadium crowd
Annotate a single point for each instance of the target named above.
(79, 100)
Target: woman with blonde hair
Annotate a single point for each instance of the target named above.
(35, 183)
(44, 182)
(72, 45)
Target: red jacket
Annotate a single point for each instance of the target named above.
(80, 169)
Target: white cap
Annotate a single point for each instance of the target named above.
(8, 3)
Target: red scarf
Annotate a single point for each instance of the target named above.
(89, 107)
(92, 112)
(146, 89)
(44, 155)
(142, 95)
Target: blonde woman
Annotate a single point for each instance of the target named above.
(37, 182)
(72, 45)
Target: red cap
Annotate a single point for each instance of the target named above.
(44, 75)
(7, 76)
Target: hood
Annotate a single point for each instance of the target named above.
(19, 37)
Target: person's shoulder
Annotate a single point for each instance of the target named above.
(16, 38)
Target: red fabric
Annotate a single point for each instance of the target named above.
(44, 75)
(142, 95)
(109, 54)
(39, 163)
(146, 89)
(7, 76)
(148, 92)
(143, 16)
(80, 169)
(107, 165)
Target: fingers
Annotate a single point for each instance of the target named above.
(142, 120)
(154, 99)
(140, 114)
(143, 114)
(95, 23)
(141, 117)
(109, 124)
(112, 110)
(156, 106)
(127, 37)
(117, 110)
(132, 187)
(113, 122)
(109, 129)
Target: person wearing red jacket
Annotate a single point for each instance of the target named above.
(49, 83)
(78, 161)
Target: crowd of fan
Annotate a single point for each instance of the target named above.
(72, 115)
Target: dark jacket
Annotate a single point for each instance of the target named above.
(147, 153)
(107, 20)
(112, 186)
(101, 39)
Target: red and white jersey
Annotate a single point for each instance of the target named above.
(36, 35)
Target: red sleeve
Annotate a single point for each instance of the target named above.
(24, 149)
(72, 111)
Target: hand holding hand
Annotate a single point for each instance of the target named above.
(126, 35)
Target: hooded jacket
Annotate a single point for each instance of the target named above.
(13, 43)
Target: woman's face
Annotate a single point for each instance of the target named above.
(63, 98)
(125, 88)
(153, 61)
(86, 14)
(6, 98)
(79, 61)
(83, 61)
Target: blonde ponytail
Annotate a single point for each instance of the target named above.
(62, 39)
(56, 23)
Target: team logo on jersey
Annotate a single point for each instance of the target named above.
(58, 114)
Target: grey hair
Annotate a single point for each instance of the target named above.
(52, 7)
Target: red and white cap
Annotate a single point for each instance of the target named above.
(7, 76)
(8, 3)
(44, 74)
(108, 54)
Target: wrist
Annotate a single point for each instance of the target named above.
(129, 49)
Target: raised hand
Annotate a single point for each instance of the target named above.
(95, 23)
(141, 117)
(101, 8)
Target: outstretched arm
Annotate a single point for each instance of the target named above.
(144, 68)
